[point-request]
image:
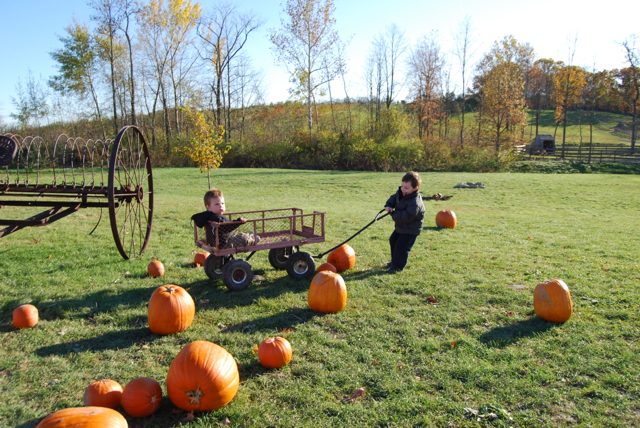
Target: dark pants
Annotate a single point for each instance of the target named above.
(401, 245)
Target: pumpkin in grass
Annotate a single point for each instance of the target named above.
(343, 258)
(141, 397)
(203, 377)
(103, 393)
(275, 352)
(327, 293)
(171, 310)
(155, 269)
(200, 258)
(552, 301)
(327, 266)
(446, 219)
(25, 316)
(84, 417)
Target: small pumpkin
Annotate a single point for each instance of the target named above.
(446, 219)
(552, 301)
(103, 393)
(141, 397)
(171, 310)
(155, 269)
(84, 417)
(343, 258)
(327, 293)
(25, 316)
(200, 258)
(203, 376)
(275, 352)
(327, 266)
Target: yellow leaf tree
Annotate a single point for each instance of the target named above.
(206, 146)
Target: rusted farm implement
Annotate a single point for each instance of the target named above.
(74, 173)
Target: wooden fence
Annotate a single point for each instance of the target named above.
(585, 153)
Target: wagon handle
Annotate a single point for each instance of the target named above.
(378, 217)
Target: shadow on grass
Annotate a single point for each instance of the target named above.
(501, 337)
(112, 340)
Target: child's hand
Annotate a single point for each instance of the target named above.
(243, 220)
(388, 209)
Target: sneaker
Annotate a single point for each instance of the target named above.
(394, 270)
(389, 265)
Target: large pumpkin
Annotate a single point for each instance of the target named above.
(103, 393)
(200, 258)
(155, 269)
(327, 266)
(203, 376)
(171, 310)
(84, 417)
(327, 292)
(275, 352)
(343, 258)
(552, 301)
(446, 219)
(141, 397)
(25, 316)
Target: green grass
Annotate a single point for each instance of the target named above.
(479, 347)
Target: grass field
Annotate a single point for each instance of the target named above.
(478, 349)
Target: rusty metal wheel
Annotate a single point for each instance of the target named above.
(130, 192)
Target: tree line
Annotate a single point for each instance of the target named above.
(154, 63)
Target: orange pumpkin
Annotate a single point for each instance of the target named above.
(171, 310)
(446, 219)
(327, 266)
(552, 301)
(103, 393)
(327, 293)
(275, 352)
(155, 269)
(25, 316)
(200, 258)
(203, 376)
(84, 417)
(141, 397)
(343, 258)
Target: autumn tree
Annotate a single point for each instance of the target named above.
(540, 89)
(569, 82)
(464, 50)
(631, 81)
(500, 82)
(307, 45)
(425, 64)
(224, 32)
(78, 67)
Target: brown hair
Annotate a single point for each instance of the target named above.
(413, 178)
(211, 194)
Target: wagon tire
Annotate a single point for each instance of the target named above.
(237, 275)
(300, 265)
(278, 257)
(213, 266)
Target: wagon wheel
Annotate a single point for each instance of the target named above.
(130, 192)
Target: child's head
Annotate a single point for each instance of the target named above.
(410, 182)
(214, 201)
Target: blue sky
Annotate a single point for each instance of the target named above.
(31, 27)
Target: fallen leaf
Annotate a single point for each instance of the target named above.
(189, 416)
(453, 343)
(358, 392)
(49, 256)
(528, 237)
(286, 331)
(203, 301)
(176, 410)
(400, 367)
(510, 313)
(255, 348)
(432, 299)
(375, 363)
(225, 421)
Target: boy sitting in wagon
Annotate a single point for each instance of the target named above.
(215, 208)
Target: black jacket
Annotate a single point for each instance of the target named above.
(408, 212)
(201, 220)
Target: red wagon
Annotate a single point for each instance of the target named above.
(281, 231)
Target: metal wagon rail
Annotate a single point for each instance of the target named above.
(74, 173)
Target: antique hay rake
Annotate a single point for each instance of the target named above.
(75, 173)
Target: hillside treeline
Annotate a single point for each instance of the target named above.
(148, 63)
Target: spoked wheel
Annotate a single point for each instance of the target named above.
(278, 257)
(130, 192)
(237, 275)
(301, 265)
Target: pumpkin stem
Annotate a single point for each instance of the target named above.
(195, 396)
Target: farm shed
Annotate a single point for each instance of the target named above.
(544, 143)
